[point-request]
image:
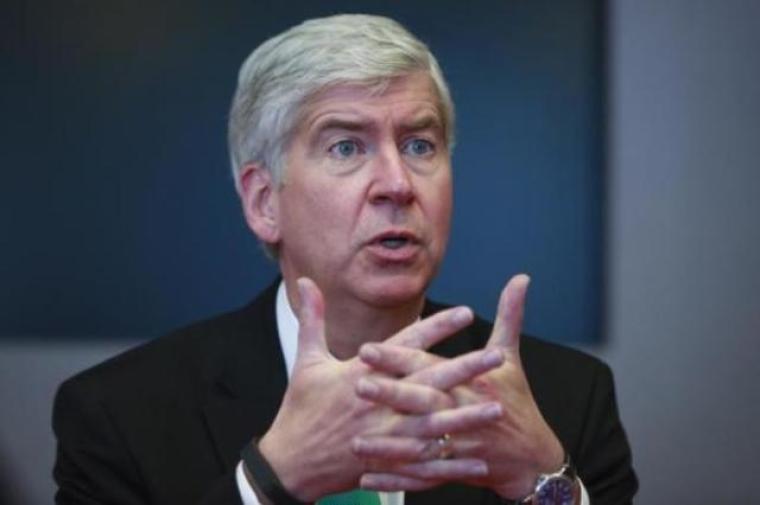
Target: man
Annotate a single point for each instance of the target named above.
(340, 136)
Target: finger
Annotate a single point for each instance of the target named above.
(466, 418)
(429, 331)
(311, 321)
(394, 448)
(442, 469)
(377, 448)
(509, 316)
(395, 359)
(390, 483)
(452, 372)
(424, 368)
(403, 396)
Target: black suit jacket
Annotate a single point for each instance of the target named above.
(164, 423)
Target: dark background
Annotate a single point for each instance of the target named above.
(119, 216)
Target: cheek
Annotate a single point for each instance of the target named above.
(299, 215)
(441, 203)
(318, 211)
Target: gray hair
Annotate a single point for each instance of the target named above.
(284, 72)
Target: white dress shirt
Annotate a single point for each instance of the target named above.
(287, 328)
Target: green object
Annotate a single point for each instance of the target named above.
(357, 497)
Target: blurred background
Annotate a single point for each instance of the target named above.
(608, 148)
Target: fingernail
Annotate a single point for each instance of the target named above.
(462, 315)
(367, 387)
(493, 357)
(357, 444)
(493, 410)
(479, 469)
(369, 352)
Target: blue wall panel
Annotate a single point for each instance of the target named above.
(119, 216)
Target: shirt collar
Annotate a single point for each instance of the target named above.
(287, 328)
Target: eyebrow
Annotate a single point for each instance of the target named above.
(336, 123)
(422, 122)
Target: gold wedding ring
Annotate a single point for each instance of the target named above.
(445, 449)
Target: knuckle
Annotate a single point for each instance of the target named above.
(481, 384)
(417, 360)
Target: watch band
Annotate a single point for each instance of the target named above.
(266, 481)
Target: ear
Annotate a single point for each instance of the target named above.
(260, 199)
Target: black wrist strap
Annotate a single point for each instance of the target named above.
(264, 477)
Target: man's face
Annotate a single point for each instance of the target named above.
(365, 206)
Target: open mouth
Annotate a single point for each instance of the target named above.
(394, 242)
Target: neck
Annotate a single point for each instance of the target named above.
(349, 323)
(353, 324)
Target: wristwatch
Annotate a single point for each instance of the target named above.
(558, 488)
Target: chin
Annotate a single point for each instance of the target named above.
(395, 290)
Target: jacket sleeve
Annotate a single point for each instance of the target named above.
(94, 464)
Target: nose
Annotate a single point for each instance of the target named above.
(392, 182)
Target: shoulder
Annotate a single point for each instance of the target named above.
(554, 361)
(179, 359)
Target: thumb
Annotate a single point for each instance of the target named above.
(312, 343)
(509, 315)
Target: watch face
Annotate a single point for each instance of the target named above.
(556, 492)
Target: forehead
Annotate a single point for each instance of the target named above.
(410, 97)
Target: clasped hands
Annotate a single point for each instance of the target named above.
(375, 420)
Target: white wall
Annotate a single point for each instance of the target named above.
(29, 375)
(684, 243)
(684, 264)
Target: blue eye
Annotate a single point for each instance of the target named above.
(418, 147)
(344, 149)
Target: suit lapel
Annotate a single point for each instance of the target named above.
(242, 392)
